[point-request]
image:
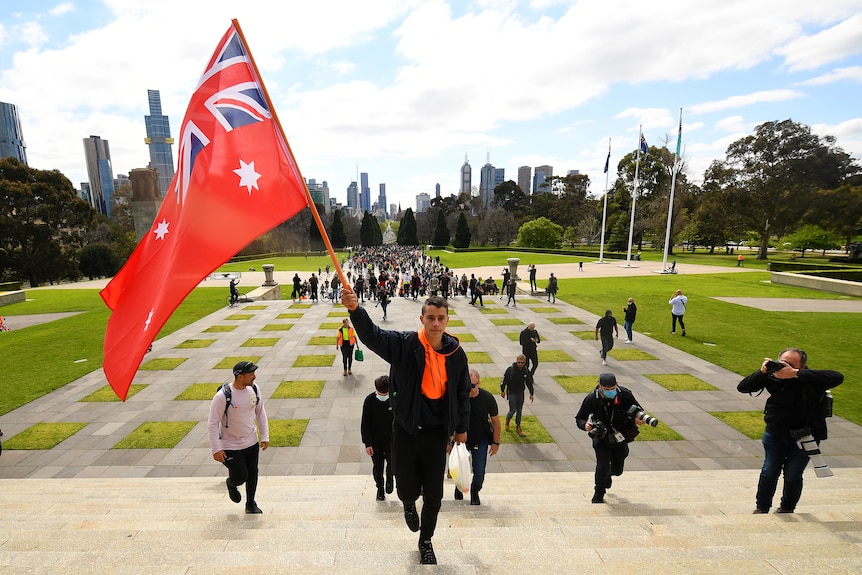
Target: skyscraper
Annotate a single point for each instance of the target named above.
(423, 202)
(466, 177)
(437, 191)
(540, 176)
(159, 141)
(381, 199)
(319, 194)
(11, 136)
(353, 197)
(97, 153)
(489, 178)
(365, 192)
(524, 175)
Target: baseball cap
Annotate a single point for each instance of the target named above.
(243, 367)
(607, 380)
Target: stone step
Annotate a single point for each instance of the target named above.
(653, 522)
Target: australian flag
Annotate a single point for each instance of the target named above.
(643, 146)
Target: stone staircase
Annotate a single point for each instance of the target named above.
(669, 522)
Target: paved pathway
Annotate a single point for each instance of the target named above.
(331, 445)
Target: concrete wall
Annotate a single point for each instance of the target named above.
(8, 297)
(823, 284)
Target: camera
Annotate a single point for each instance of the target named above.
(808, 444)
(599, 430)
(772, 366)
(637, 412)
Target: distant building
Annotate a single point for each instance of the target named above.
(437, 190)
(466, 177)
(490, 178)
(159, 141)
(146, 199)
(364, 192)
(97, 154)
(11, 136)
(541, 175)
(423, 202)
(353, 198)
(393, 211)
(381, 199)
(319, 194)
(525, 173)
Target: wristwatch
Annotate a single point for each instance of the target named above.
(496, 442)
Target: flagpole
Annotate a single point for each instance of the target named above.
(672, 186)
(605, 206)
(308, 198)
(634, 197)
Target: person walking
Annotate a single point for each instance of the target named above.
(376, 430)
(483, 438)
(516, 379)
(533, 285)
(552, 288)
(605, 415)
(511, 289)
(297, 287)
(529, 340)
(383, 298)
(631, 311)
(740, 260)
(313, 285)
(608, 329)
(677, 311)
(238, 429)
(429, 388)
(796, 407)
(345, 340)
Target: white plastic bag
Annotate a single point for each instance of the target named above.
(460, 467)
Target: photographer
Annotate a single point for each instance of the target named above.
(605, 415)
(795, 408)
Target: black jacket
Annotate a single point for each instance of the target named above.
(406, 357)
(793, 403)
(612, 412)
(376, 425)
(515, 380)
(527, 344)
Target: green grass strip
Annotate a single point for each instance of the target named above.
(748, 423)
(630, 354)
(325, 360)
(156, 435)
(479, 357)
(584, 335)
(577, 383)
(506, 321)
(554, 355)
(240, 316)
(255, 307)
(330, 325)
(299, 389)
(456, 323)
(300, 306)
(288, 316)
(43, 435)
(220, 328)
(260, 342)
(199, 392)
(229, 362)
(107, 393)
(661, 433)
(546, 309)
(195, 343)
(286, 432)
(277, 327)
(163, 363)
(492, 310)
(564, 320)
(680, 382)
(322, 340)
(530, 424)
(466, 337)
(514, 335)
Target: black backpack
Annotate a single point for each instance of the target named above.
(226, 390)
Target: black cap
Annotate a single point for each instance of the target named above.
(243, 367)
(607, 380)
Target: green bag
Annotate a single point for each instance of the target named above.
(358, 355)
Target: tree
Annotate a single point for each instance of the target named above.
(441, 231)
(462, 232)
(540, 233)
(839, 210)
(589, 228)
(498, 227)
(98, 260)
(772, 175)
(369, 231)
(339, 235)
(407, 230)
(43, 223)
(811, 237)
(509, 196)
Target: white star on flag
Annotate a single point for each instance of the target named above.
(247, 176)
(161, 230)
(149, 319)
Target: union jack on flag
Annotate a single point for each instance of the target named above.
(643, 146)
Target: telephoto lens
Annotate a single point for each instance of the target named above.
(639, 414)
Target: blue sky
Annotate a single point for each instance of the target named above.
(404, 89)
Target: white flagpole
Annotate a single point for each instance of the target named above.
(634, 198)
(605, 207)
(672, 186)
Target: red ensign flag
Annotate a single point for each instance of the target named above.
(235, 180)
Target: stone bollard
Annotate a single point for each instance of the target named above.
(513, 267)
(268, 270)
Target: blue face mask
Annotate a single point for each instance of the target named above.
(609, 393)
(382, 397)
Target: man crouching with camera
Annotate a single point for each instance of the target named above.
(795, 417)
(610, 415)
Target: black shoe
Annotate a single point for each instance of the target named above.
(609, 482)
(474, 498)
(426, 553)
(411, 517)
(683, 333)
(233, 492)
(252, 508)
(390, 485)
(783, 510)
(458, 495)
(598, 498)
(380, 496)
(759, 511)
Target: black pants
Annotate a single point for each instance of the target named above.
(610, 460)
(674, 320)
(382, 457)
(242, 468)
(419, 462)
(532, 357)
(347, 355)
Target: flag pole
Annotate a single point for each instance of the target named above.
(634, 198)
(605, 206)
(670, 203)
(308, 198)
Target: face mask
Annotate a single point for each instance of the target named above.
(382, 397)
(609, 393)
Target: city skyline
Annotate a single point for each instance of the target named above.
(373, 85)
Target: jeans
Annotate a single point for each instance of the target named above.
(479, 454)
(781, 454)
(516, 405)
(627, 325)
(242, 468)
(674, 320)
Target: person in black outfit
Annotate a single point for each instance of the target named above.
(297, 287)
(631, 311)
(533, 285)
(795, 405)
(604, 414)
(429, 386)
(607, 327)
(529, 340)
(511, 290)
(516, 379)
(234, 293)
(313, 285)
(383, 298)
(483, 438)
(376, 430)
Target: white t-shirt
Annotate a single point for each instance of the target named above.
(246, 418)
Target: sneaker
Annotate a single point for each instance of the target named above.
(426, 553)
(252, 508)
(609, 482)
(683, 333)
(673, 333)
(759, 511)
(474, 498)
(604, 362)
(783, 510)
(233, 492)
(390, 485)
(411, 517)
(598, 498)
(380, 496)
(627, 341)
(458, 495)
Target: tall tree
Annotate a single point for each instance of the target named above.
(498, 227)
(442, 235)
(839, 210)
(42, 223)
(339, 235)
(462, 232)
(407, 230)
(369, 231)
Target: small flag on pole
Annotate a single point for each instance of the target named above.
(644, 148)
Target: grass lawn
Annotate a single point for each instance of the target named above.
(661, 433)
(479, 357)
(162, 363)
(298, 389)
(577, 383)
(195, 343)
(107, 393)
(630, 354)
(506, 321)
(156, 435)
(564, 320)
(43, 435)
(286, 432)
(291, 315)
(219, 328)
(260, 342)
(536, 432)
(325, 360)
(586, 335)
(240, 316)
(680, 382)
(514, 335)
(748, 423)
(322, 340)
(553, 355)
(456, 323)
(229, 362)
(466, 337)
(277, 327)
(199, 392)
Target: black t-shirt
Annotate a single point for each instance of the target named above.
(606, 326)
(482, 408)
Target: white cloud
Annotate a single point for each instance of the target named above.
(60, 9)
(825, 47)
(851, 73)
(745, 100)
(32, 34)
